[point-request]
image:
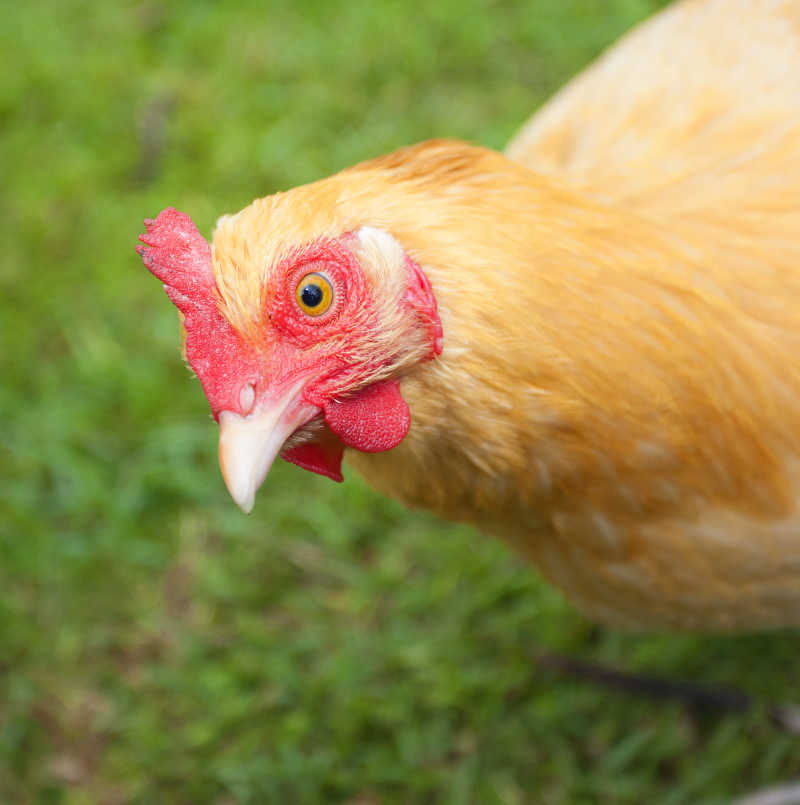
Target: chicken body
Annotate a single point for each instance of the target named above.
(618, 389)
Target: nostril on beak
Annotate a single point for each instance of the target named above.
(247, 398)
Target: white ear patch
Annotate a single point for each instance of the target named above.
(381, 257)
(386, 270)
(371, 236)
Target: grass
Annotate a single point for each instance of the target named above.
(155, 645)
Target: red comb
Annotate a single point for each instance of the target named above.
(180, 257)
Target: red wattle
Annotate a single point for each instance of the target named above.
(373, 419)
(323, 456)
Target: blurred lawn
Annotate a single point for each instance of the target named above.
(156, 646)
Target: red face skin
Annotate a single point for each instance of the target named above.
(314, 353)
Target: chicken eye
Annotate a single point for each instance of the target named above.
(314, 294)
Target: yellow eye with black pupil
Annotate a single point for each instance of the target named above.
(314, 294)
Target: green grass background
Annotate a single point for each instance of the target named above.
(156, 646)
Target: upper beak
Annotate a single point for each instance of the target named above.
(249, 444)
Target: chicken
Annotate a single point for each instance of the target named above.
(588, 347)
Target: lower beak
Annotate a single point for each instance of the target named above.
(249, 444)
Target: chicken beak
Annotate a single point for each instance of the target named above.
(249, 444)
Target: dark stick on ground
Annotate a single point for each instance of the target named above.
(701, 698)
